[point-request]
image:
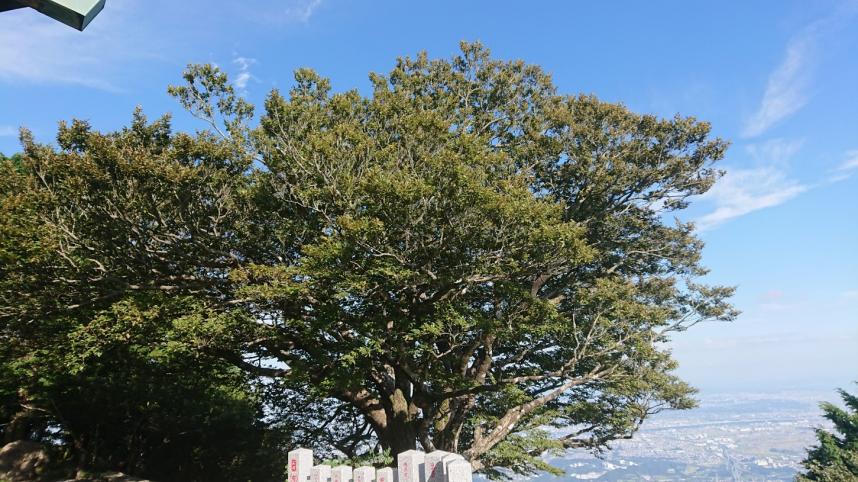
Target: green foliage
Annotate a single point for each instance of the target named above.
(16, 160)
(378, 459)
(835, 459)
(130, 395)
(462, 259)
(479, 257)
(99, 352)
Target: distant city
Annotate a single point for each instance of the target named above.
(736, 437)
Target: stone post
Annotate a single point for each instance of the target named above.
(364, 474)
(386, 474)
(433, 469)
(320, 473)
(450, 458)
(410, 465)
(341, 473)
(459, 471)
(300, 465)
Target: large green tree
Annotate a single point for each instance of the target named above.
(110, 376)
(835, 458)
(462, 259)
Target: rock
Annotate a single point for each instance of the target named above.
(22, 460)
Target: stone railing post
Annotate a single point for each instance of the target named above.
(411, 466)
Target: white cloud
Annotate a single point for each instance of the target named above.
(742, 191)
(787, 87)
(8, 131)
(244, 76)
(241, 79)
(786, 90)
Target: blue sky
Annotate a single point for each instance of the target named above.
(777, 78)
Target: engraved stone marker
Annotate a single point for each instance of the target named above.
(300, 465)
(459, 471)
(341, 473)
(320, 473)
(433, 469)
(364, 474)
(386, 474)
(410, 465)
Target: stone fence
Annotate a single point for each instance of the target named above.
(412, 466)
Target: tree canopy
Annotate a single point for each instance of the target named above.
(111, 376)
(461, 259)
(835, 458)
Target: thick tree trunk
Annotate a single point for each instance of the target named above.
(393, 416)
(400, 433)
(398, 437)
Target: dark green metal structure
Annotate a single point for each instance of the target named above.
(74, 13)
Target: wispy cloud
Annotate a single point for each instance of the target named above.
(788, 86)
(851, 162)
(743, 191)
(8, 131)
(303, 10)
(786, 90)
(36, 49)
(129, 35)
(278, 12)
(846, 169)
(774, 151)
(244, 76)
